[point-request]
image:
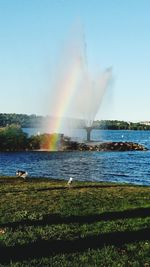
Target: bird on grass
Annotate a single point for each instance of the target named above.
(22, 174)
(70, 181)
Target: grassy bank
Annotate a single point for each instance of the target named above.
(45, 223)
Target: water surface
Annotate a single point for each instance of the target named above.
(125, 167)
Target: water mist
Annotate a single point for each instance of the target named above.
(77, 95)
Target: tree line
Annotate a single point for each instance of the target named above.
(119, 125)
(33, 121)
(23, 120)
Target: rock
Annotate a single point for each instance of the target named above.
(106, 146)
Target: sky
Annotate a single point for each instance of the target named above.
(33, 33)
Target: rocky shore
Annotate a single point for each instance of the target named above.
(106, 146)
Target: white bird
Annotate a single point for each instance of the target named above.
(70, 181)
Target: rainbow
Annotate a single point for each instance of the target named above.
(68, 87)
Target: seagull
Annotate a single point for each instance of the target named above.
(70, 181)
(22, 174)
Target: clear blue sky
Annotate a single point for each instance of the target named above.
(32, 33)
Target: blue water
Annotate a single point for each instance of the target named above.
(125, 167)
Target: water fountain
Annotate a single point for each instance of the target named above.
(76, 94)
(88, 130)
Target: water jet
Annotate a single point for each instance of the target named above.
(77, 93)
(88, 131)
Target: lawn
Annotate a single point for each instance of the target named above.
(44, 222)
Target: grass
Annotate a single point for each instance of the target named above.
(45, 223)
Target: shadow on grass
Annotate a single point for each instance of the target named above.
(42, 248)
(57, 219)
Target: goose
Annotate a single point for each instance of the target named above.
(22, 174)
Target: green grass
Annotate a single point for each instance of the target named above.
(45, 223)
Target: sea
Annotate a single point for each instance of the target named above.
(130, 167)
